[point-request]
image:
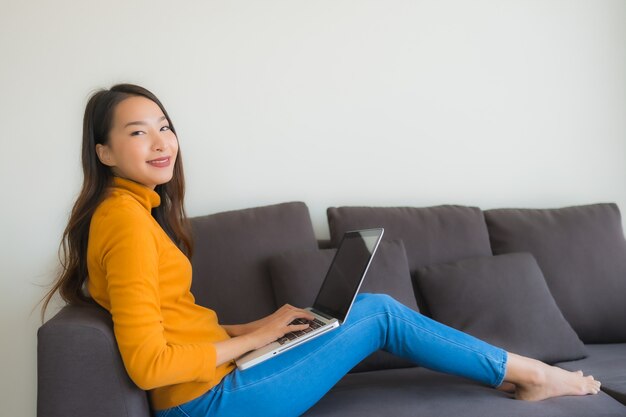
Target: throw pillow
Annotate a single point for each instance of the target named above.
(502, 300)
(297, 277)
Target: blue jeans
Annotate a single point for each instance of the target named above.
(289, 384)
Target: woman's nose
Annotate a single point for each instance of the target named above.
(159, 143)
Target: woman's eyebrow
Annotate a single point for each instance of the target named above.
(140, 122)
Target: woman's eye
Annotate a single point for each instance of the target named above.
(137, 133)
(165, 128)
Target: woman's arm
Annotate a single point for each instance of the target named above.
(259, 333)
(235, 330)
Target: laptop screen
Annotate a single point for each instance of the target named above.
(346, 272)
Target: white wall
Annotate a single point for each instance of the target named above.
(333, 102)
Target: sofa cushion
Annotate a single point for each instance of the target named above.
(230, 270)
(607, 363)
(420, 392)
(582, 253)
(431, 235)
(297, 277)
(503, 300)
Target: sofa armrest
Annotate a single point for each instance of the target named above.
(80, 370)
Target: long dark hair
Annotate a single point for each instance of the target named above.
(97, 177)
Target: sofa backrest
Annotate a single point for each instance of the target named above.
(430, 234)
(582, 253)
(232, 249)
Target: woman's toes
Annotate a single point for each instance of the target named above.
(594, 386)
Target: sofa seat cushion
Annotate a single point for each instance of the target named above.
(298, 275)
(417, 392)
(230, 269)
(503, 300)
(582, 253)
(607, 363)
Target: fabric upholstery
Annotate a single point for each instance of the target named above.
(298, 276)
(582, 253)
(79, 365)
(607, 363)
(431, 235)
(230, 270)
(503, 300)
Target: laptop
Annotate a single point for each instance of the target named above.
(335, 298)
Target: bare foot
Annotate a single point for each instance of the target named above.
(550, 381)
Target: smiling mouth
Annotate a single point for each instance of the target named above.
(160, 162)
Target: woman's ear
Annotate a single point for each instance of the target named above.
(104, 155)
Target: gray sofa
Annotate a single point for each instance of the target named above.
(547, 283)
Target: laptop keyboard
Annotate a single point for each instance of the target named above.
(313, 324)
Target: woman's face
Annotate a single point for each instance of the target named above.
(141, 146)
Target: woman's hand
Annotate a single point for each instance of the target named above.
(247, 337)
(276, 325)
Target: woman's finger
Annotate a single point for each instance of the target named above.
(296, 327)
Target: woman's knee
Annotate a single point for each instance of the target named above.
(378, 301)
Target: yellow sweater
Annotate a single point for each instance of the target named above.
(139, 275)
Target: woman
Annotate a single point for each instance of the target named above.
(128, 243)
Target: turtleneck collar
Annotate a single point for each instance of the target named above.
(144, 195)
